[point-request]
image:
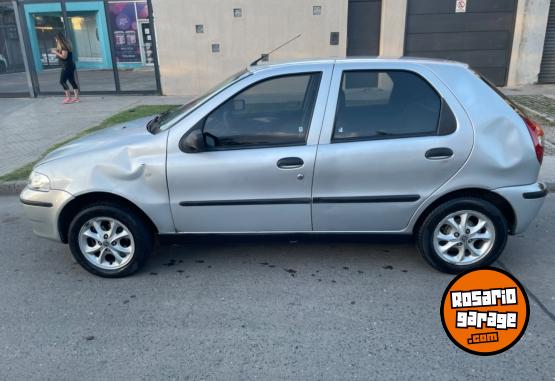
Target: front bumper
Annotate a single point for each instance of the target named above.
(526, 201)
(43, 209)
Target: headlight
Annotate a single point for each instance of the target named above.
(39, 182)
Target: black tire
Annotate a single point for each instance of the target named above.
(425, 233)
(3, 67)
(142, 236)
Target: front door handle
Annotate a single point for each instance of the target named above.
(290, 163)
(439, 153)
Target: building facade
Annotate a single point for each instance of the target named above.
(114, 46)
(184, 47)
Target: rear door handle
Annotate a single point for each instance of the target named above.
(439, 153)
(290, 163)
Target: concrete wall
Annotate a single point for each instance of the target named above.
(529, 36)
(187, 64)
(392, 29)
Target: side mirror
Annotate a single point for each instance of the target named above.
(193, 142)
(238, 104)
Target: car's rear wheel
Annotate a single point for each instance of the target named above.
(109, 240)
(462, 234)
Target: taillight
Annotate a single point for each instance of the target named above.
(537, 134)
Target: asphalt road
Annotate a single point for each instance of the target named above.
(238, 309)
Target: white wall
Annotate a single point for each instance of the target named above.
(392, 29)
(187, 64)
(529, 36)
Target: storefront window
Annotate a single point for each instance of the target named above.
(85, 36)
(88, 29)
(13, 79)
(132, 37)
(105, 35)
(46, 28)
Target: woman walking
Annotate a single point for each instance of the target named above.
(64, 53)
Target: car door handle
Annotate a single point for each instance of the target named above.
(290, 163)
(439, 153)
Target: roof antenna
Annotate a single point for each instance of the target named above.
(265, 56)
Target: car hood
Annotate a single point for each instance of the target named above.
(118, 136)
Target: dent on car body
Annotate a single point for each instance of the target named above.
(122, 167)
(498, 165)
(126, 162)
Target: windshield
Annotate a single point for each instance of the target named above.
(167, 119)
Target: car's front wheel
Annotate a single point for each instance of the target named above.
(462, 234)
(109, 240)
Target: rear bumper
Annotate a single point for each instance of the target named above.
(43, 209)
(526, 201)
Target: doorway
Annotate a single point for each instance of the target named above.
(547, 69)
(363, 27)
(482, 36)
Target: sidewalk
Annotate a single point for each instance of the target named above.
(30, 126)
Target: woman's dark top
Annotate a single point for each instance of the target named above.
(68, 62)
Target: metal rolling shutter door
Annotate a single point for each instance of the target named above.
(481, 37)
(547, 70)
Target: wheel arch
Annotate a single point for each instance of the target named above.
(77, 204)
(497, 200)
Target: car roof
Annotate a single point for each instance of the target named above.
(331, 61)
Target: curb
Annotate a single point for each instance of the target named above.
(15, 187)
(12, 187)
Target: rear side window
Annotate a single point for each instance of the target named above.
(273, 112)
(385, 104)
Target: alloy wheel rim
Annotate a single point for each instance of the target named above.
(464, 237)
(106, 243)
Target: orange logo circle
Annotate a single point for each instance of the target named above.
(485, 311)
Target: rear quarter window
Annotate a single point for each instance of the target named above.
(385, 104)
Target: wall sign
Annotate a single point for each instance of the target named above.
(460, 6)
(123, 19)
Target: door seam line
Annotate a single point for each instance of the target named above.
(318, 147)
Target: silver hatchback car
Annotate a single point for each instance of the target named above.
(405, 146)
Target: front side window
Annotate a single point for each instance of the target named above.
(385, 104)
(274, 112)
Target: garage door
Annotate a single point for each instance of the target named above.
(547, 71)
(363, 27)
(481, 36)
